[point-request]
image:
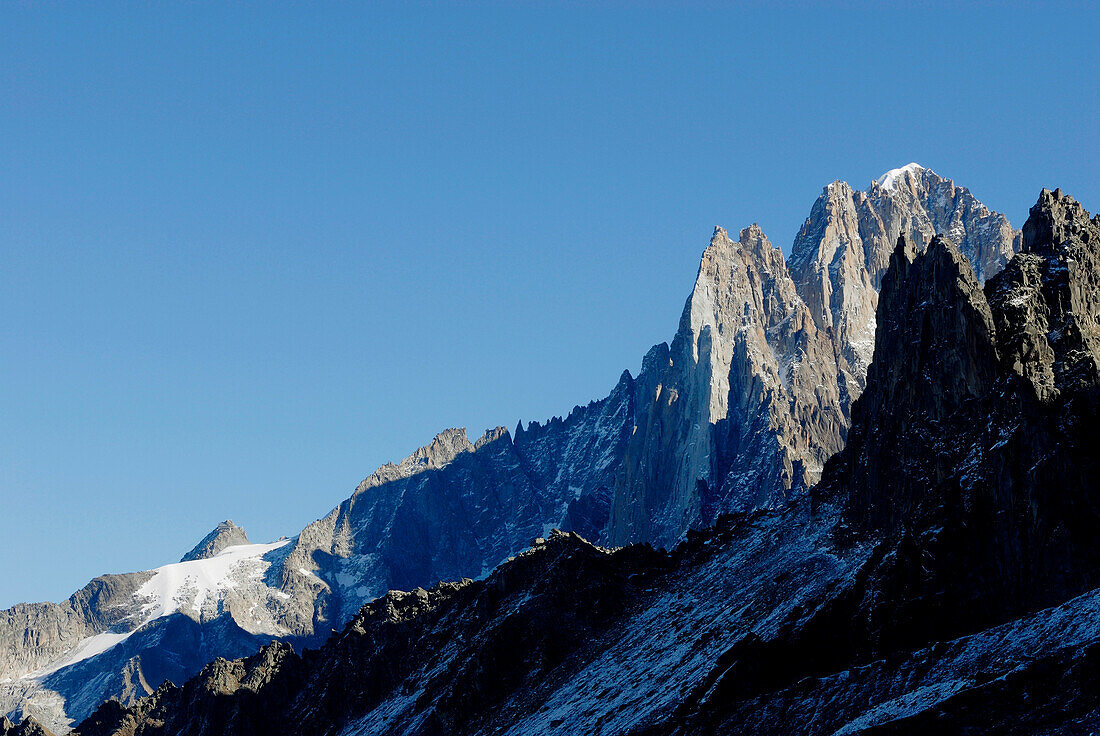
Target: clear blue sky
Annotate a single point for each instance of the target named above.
(249, 253)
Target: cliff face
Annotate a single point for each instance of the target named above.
(974, 450)
(935, 355)
(741, 411)
(919, 203)
(755, 391)
(841, 253)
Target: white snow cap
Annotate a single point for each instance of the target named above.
(890, 178)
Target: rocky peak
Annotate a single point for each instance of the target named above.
(1047, 300)
(841, 254)
(715, 423)
(491, 435)
(934, 351)
(829, 267)
(724, 299)
(919, 203)
(683, 390)
(225, 534)
(442, 450)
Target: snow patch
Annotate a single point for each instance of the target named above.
(890, 178)
(86, 649)
(189, 585)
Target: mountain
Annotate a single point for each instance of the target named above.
(755, 392)
(941, 577)
(121, 635)
(226, 534)
(743, 408)
(841, 253)
(739, 412)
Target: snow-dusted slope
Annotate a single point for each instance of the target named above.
(203, 588)
(49, 680)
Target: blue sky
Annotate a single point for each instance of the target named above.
(250, 252)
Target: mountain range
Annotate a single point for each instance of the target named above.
(817, 445)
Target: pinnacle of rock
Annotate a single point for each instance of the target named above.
(225, 534)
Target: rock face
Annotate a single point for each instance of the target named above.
(842, 251)
(28, 727)
(1046, 303)
(987, 441)
(918, 203)
(932, 301)
(226, 534)
(739, 412)
(829, 264)
(456, 508)
(755, 391)
(942, 577)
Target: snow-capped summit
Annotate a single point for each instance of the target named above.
(201, 587)
(140, 627)
(890, 178)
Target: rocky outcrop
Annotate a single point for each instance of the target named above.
(973, 452)
(225, 534)
(1047, 301)
(451, 508)
(935, 355)
(34, 634)
(829, 266)
(28, 727)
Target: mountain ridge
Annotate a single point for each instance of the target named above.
(740, 411)
(887, 600)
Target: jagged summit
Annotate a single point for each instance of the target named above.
(1047, 299)
(973, 442)
(225, 534)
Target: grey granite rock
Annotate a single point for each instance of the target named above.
(225, 534)
(743, 408)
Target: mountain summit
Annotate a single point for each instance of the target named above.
(225, 534)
